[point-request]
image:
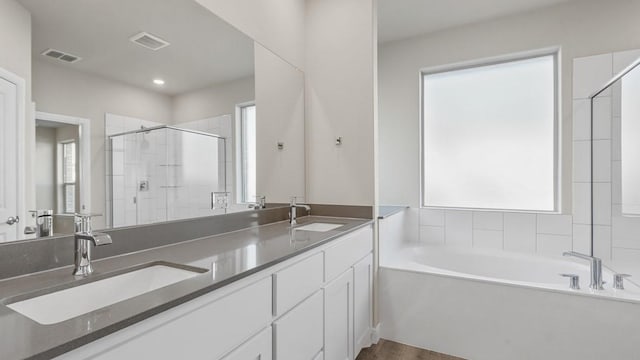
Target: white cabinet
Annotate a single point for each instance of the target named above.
(362, 303)
(338, 318)
(296, 282)
(257, 348)
(199, 329)
(346, 251)
(316, 306)
(298, 334)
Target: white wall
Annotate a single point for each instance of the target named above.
(340, 47)
(277, 25)
(217, 100)
(59, 90)
(571, 26)
(15, 39)
(280, 118)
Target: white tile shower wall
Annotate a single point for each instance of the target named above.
(151, 205)
(551, 234)
(221, 126)
(615, 236)
(120, 208)
(521, 232)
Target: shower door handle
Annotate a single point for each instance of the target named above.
(212, 201)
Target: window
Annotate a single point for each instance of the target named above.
(69, 177)
(247, 171)
(489, 136)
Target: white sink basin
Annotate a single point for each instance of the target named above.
(71, 302)
(320, 227)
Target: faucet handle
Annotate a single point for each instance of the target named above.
(618, 281)
(574, 281)
(83, 221)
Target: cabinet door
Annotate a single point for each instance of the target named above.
(362, 303)
(346, 251)
(298, 334)
(257, 348)
(297, 282)
(338, 318)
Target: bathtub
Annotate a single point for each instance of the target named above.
(485, 304)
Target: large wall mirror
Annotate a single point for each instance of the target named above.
(149, 111)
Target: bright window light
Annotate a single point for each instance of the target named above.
(489, 138)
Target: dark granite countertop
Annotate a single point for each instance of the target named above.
(233, 255)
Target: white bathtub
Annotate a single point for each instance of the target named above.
(498, 305)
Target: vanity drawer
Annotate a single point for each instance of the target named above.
(298, 335)
(347, 251)
(296, 282)
(258, 347)
(206, 332)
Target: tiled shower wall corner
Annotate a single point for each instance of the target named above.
(551, 234)
(116, 168)
(184, 204)
(615, 235)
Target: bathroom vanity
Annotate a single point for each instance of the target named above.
(267, 292)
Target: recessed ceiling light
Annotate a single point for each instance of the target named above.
(158, 81)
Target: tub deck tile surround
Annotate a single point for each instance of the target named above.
(390, 350)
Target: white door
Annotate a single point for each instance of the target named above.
(9, 228)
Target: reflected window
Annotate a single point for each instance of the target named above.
(489, 136)
(247, 163)
(69, 177)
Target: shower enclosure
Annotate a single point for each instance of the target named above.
(167, 173)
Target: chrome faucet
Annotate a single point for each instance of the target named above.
(84, 239)
(596, 268)
(261, 203)
(293, 216)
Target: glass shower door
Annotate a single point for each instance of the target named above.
(195, 173)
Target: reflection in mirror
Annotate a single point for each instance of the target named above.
(167, 173)
(152, 111)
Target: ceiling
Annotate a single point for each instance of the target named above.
(204, 49)
(399, 19)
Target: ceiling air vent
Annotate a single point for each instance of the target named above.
(149, 41)
(61, 56)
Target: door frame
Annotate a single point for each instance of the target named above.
(21, 98)
(84, 126)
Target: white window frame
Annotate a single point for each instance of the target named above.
(64, 184)
(241, 197)
(556, 53)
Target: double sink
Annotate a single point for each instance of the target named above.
(54, 305)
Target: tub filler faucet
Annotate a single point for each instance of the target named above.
(596, 268)
(84, 239)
